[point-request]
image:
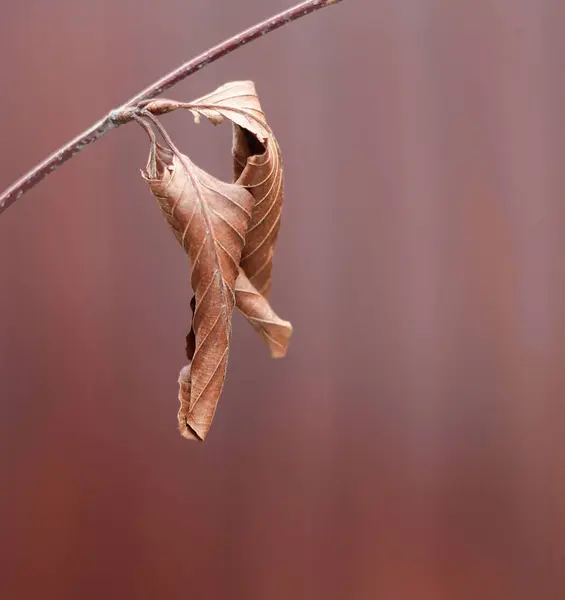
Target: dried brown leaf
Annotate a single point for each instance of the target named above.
(210, 220)
(231, 250)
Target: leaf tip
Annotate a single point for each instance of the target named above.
(185, 429)
(279, 349)
(187, 432)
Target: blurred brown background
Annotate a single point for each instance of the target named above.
(411, 446)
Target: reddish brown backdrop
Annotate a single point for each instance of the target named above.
(411, 445)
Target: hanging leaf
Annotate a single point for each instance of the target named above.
(210, 220)
(200, 210)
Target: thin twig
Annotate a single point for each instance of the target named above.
(116, 117)
(151, 167)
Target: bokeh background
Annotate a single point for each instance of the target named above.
(411, 445)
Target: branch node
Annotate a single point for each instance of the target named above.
(122, 115)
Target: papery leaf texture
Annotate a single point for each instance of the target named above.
(229, 232)
(257, 166)
(210, 219)
(275, 331)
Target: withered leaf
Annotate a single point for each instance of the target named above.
(210, 219)
(200, 210)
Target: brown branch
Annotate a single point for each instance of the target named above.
(116, 117)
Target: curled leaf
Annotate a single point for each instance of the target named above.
(210, 220)
(257, 166)
(256, 308)
(236, 101)
(229, 232)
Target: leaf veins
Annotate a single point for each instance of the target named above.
(210, 220)
(229, 232)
